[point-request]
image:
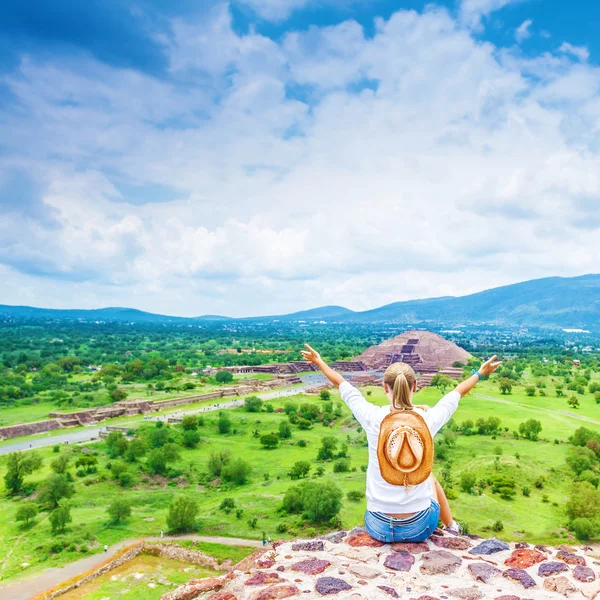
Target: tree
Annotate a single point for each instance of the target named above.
(182, 515)
(237, 471)
(321, 501)
(328, 448)
(573, 401)
(304, 424)
(161, 457)
(116, 444)
(135, 449)
(224, 377)
(442, 382)
(86, 463)
(299, 470)
(582, 435)
(290, 408)
(189, 423)
(325, 395)
(506, 385)
(59, 518)
(578, 463)
(530, 429)
(18, 465)
(560, 391)
(118, 395)
(253, 404)
(467, 482)
(26, 513)
(217, 461)
(61, 463)
(224, 423)
(54, 489)
(119, 510)
(285, 431)
(191, 438)
(585, 529)
(583, 502)
(269, 441)
(530, 390)
(227, 505)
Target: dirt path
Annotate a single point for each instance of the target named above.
(26, 588)
(549, 410)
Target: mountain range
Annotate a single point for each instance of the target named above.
(553, 302)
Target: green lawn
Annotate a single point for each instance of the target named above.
(527, 518)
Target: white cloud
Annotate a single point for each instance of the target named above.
(472, 12)
(580, 52)
(275, 10)
(523, 32)
(326, 168)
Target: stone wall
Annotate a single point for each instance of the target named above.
(354, 566)
(29, 428)
(155, 549)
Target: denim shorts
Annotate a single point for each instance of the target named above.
(417, 528)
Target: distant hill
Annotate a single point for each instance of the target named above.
(554, 302)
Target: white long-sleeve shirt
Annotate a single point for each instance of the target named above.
(381, 495)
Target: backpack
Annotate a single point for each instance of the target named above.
(404, 448)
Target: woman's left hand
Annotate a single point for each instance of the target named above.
(310, 355)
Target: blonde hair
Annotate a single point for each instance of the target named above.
(401, 378)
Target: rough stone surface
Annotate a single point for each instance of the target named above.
(363, 539)
(337, 537)
(520, 576)
(275, 592)
(521, 545)
(490, 546)
(363, 572)
(389, 591)
(560, 585)
(399, 561)
(570, 558)
(312, 546)
(584, 574)
(413, 548)
(262, 578)
(470, 593)
(483, 572)
(440, 562)
(524, 558)
(331, 585)
(552, 568)
(311, 566)
(451, 543)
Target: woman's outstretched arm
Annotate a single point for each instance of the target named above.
(314, 358)
(487, 368)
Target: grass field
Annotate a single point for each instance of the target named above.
(530, 518)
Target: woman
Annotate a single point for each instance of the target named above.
(398, 513)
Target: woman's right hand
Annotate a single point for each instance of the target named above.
(311, 355)
(489, 366)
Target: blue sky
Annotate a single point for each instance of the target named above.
(262, 156)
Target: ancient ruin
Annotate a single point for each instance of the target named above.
(352, 565)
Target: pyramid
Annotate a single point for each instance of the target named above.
(425, 351)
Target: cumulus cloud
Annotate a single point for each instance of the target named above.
(325, 167)
(523, 32)
(472, 12)
(580, 52)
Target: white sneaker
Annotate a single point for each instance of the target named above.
(454, 528)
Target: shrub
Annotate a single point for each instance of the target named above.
(355, 495)
(320, 471)
(190, 423)
(223, 377)
(253, 522)
(119, 510)
(530, 429)
(302, 443)
(341, 466)
(227, 505)
(583, 502)
(325, 395)
(281, 528)
(467, 482)
(237, 472)
(285, 431)
(545, 498)
(26, 513)
(224, 422)
(59, 518)
(300, 470)
(269, 441)
(191, 438)
(328, 448)
(498, 526)
(217, 461)
(239, 513)
(182, 514)
(585, 529)
(253, 404)
(304, 424)
(526, 492)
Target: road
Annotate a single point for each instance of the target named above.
(65, 436)
(50, 578)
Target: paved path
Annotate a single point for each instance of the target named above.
(26, 588)
(541, 408)
(92, 433)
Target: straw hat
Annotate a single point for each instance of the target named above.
(404, 448)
